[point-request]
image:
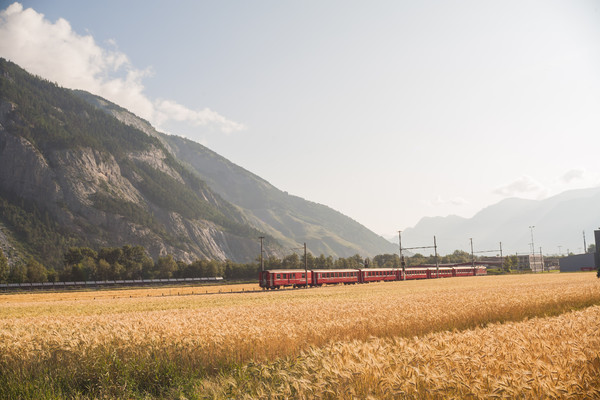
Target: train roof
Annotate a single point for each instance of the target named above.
(286, 271)
(381, 269)
(335, 270)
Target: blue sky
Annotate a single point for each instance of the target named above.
(387, 111)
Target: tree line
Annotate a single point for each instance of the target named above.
(133, 262)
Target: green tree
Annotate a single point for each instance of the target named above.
(111, 254)
(386, 261)
(36, 272)
(510, 262)
(416, 259)
(165, 266)
(4, 269)
(310, 261)
(104, 271)
(271, 262)
(18, 273)
(52, 275)
(292, 261)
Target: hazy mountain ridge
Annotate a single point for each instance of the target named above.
(558, 221)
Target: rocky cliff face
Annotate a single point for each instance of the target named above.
(66, 181)
(107, 190)
(290, 220)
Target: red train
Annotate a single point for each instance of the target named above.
(277, 278)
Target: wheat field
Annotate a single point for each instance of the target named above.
(556, 357)
(79, 345)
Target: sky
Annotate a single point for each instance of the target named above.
(387, 111)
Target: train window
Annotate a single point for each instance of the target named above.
(303, 277)
(278, 276)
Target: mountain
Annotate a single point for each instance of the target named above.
(76, 169)
(70, 174)
(558, 221)
(289, 219)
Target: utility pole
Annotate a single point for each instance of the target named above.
(421, 247)
(437, 265)
(402, 262)
(532, 245)
(472, 255)
(262, 264)
(584, 244)
(305, 266)
(532, 258)
(542, 259)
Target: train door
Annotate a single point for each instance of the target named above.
(263, 279)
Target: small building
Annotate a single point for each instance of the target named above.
(551, 263)
(534, 262)
(577, 262)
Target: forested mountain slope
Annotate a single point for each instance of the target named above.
(289, 219)
(70, 174)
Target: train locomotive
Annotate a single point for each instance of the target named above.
(281, 278)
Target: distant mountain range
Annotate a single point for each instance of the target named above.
(78, 170)
(558, 221)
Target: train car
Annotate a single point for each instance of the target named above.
(415, 273)
(480, 270)
(322, 277)
(277, 278)
(443, 272)
(377, 274)
(463, 271)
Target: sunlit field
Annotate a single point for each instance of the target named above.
(555, 357)
(138, 344)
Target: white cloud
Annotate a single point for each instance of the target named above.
(524, 186)
(170, 110)
(576, 174)
(57, 53)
